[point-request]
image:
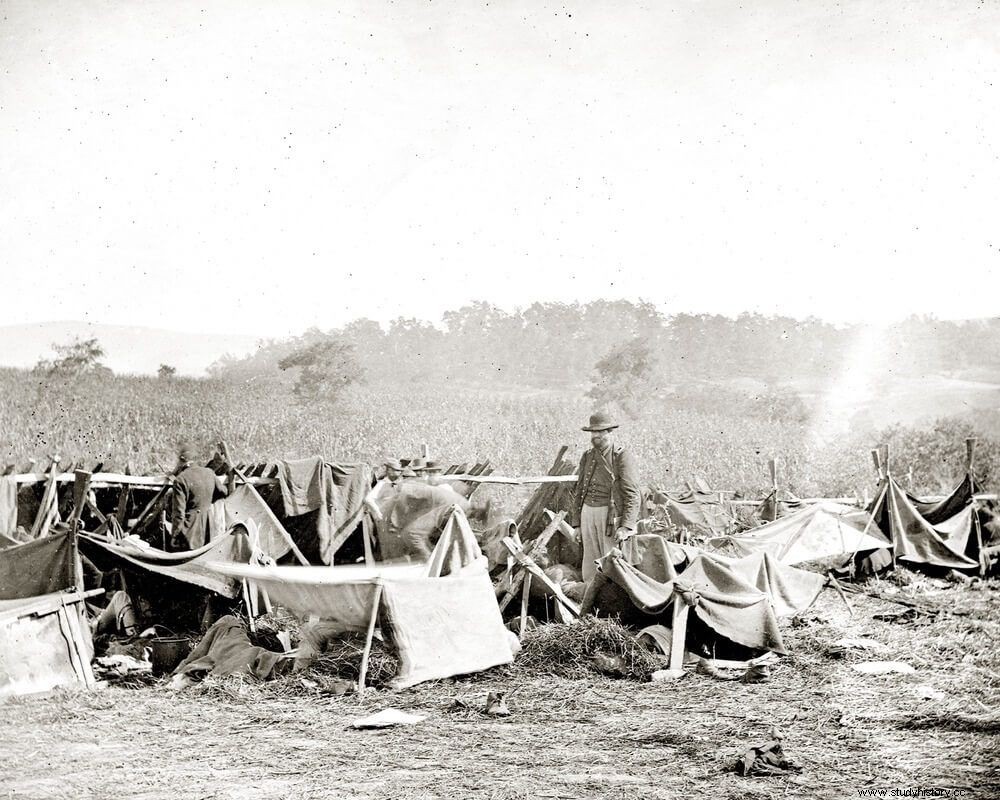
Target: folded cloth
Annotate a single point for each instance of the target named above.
(225, 649)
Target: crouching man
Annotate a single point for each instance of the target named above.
(606, 496)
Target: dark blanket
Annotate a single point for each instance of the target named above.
(225, 649)
(40, 567)
(335, 492)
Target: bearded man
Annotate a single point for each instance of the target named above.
(606, 497)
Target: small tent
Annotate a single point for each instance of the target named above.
(813, 533)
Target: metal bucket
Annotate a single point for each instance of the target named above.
(168, 652)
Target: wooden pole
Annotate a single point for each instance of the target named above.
(970, 453)
(678, 632)
(525, 591)
(366, 532)
(49, 498)
(81, 489)
(532, 568)
(836, 585)
(772, 466)
(508, 593)
(363, 669)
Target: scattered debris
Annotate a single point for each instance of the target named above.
(925, 692)
(767, 758)
(665, 675)
(386, 718)
(883, 667)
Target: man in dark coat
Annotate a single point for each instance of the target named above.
(194, 489)
(606, 496)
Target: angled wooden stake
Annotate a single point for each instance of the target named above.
(678, 632)
(363, 669)
(525, 592)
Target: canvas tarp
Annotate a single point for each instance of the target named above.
(242, 506)
(335, 493)
(815, 532)
(442, 626)
(40, 567)
(944, 541)
(689, 511)
(740, 599)
(778, 504)
(45, 642)
(189, 566)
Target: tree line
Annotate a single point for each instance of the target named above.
(561, 345)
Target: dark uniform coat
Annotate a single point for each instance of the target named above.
(193, 491)
(625, 493)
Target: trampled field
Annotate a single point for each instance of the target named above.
(935, 729)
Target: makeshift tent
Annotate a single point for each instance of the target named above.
(40, 567)
(813, 533)
(691, 512)
(44, 643)
(740, 599)
(942, 534)
(778, 503)
(188, 566)
(441, 616)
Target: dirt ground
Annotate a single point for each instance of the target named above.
(936, 729)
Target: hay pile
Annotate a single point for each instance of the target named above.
(342, 659)
(580, 649)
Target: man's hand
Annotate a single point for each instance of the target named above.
(622, 534)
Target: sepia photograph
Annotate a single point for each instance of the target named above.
(509, 400)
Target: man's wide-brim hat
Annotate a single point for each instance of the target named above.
(409, 473)
(417, 465)
(601, 422)
(433, 466)
(393, 464)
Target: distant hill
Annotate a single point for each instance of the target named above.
(130, 349)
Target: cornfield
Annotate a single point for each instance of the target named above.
(137, 422)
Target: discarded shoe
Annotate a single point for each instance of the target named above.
(496, 706)
(756, 673)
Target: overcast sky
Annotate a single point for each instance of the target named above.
(259, 168)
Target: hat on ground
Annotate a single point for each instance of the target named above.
(393, 464)
(601, 422)
(418, 465)
(433, 466)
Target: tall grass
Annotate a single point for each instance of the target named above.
(122, 420)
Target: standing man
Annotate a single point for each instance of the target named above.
(193, 490)
(606, 496)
